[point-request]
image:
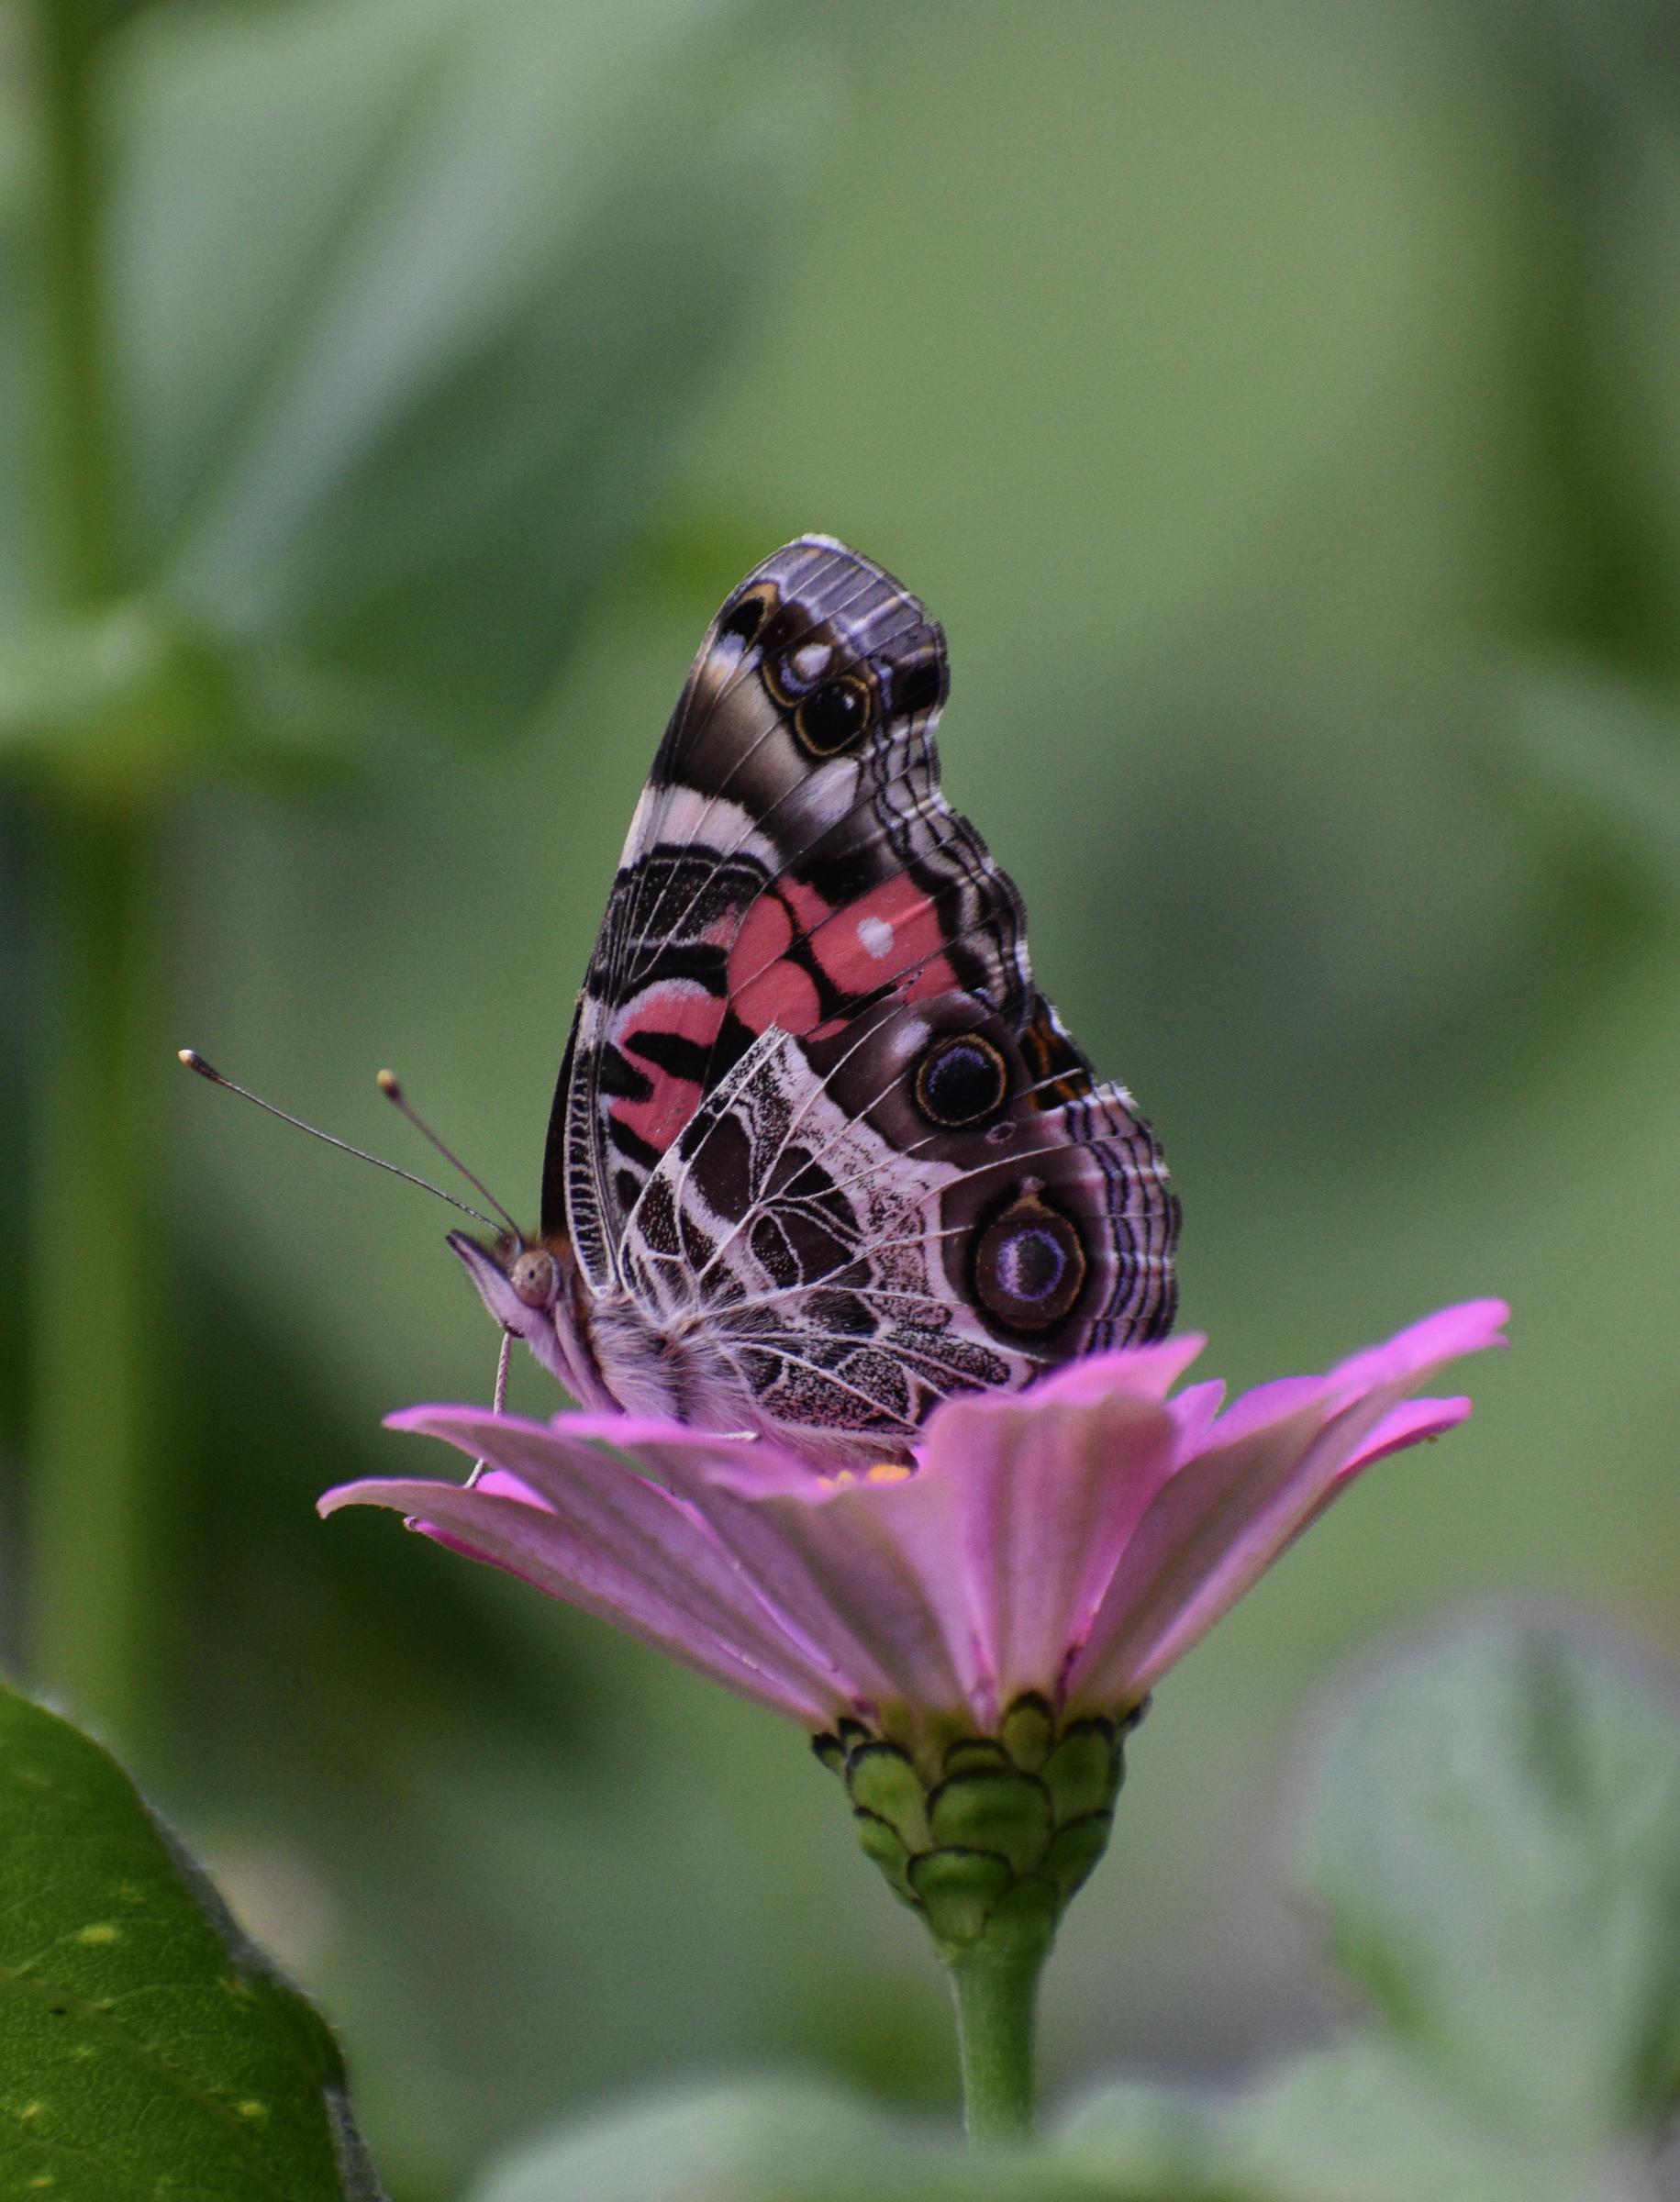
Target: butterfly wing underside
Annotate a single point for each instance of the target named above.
(818, 1137)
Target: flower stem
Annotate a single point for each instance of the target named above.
(90, 1510)
(996, 1983)
(91, 1445)
(78, 425)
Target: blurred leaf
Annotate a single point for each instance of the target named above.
(789, 2142)
(1147, 2136)
(1358, 2123)
(1499, 1845)
(407, 291)
(1499, 1841)
(74, 669)
(147, 2046)
(1365, 2122)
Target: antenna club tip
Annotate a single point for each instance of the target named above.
(387, 1084)
(195, 1062)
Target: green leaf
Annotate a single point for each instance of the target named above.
(147, 2047)
(790, 2141)
(1147, 2137)
(1365, 2122)
(408, 294)
(1362, 2122)
(1499, 1845)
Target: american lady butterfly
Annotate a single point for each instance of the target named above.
(821, 1153)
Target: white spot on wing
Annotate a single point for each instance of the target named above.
(875, 936)
(825, 799)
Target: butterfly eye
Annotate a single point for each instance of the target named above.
(535, 1278)
(832, 716)
(1030, 1266)
(960, 1081)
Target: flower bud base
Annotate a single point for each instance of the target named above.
(989, 1850)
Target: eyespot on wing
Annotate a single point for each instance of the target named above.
(1029, 1264)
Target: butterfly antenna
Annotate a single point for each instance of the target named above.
(392, 1092)
(195, 1062)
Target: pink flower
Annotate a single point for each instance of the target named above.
(1073, 1540)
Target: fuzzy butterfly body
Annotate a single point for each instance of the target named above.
(821, 1154)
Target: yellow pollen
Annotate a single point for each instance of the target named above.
(888, 1472)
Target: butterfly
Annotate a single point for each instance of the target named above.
(821, 1154)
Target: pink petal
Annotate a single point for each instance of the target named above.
(879, 1558)
(1412, 1357)
(1273, 1402)
(878, 1645)
(758, 1460)
(1144, 1372)
(1212, 1530)
(500, 1485)
(1228, 1514)
(616, 1545)
(1046, 1492)
(1195, 1412)
(1409, 1425)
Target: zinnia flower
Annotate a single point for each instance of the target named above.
(1067, 1544)
(969, 1639)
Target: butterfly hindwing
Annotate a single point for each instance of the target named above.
(815, 1121)
(844, 1266)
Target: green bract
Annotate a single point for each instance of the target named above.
(999, 1837)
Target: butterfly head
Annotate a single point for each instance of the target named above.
(529, 1286)
(534, 1274)
(520, 1280)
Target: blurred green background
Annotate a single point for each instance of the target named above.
(1280, 406)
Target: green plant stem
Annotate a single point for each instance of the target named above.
(995, 1983)
(78, 438)
(91, 1516)
(90, 1537)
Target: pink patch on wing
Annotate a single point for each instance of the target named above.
(765, 988)
(784, 996)
(893, 930)
(892, 933)
(679, 1008)
(810, 909)
(936, 977)
(764, 939)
